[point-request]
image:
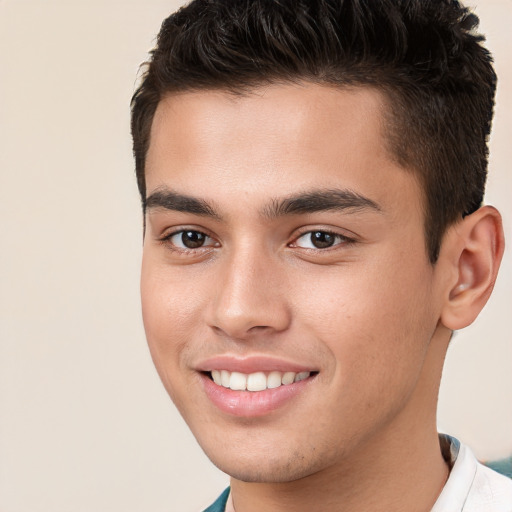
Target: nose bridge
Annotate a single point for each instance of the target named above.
(249, 295)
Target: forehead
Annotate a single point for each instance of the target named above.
(278, 114)
(273, 141)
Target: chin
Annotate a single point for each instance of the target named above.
(264, 468)
(254, 474)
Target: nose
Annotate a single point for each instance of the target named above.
(250, 297)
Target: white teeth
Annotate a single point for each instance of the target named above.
(288, 378)
(238, 381)
(216, 377)
(274, 380)
(224, 378)
(257, 381)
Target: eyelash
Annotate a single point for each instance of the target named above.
(342, 240)
(166, 240)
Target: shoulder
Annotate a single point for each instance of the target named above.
(220, 503)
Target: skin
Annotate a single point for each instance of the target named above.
(370, 313)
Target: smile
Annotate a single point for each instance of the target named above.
(258, 381)
(254, 394)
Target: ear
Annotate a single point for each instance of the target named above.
(474, 248)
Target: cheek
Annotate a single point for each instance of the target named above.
(365, 299)
(377, 321)
(170, 309)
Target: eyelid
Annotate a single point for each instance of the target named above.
(171, 231)
(345, 238)
(165, 239)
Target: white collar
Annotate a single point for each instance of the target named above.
(463, 470)
(471, 487)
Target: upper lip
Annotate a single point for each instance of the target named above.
(251, 364)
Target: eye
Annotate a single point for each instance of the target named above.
(189, 239)
(320, 240)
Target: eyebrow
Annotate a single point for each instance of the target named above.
(301, 203)
(320, 201)
(169, 200)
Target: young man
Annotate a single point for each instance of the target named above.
(312, 174)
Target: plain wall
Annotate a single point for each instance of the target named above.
(85, 424)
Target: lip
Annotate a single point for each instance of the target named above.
(252, 403)
(251, 364)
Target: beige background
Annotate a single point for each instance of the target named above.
(84, 422)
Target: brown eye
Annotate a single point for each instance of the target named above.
(320, 240)
(192, 239)
(189, 239)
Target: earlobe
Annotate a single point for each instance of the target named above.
(476, 249)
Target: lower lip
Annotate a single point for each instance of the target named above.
(252, 403)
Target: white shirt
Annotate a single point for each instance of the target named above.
(471, 487)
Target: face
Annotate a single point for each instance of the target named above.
(288, 301)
